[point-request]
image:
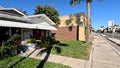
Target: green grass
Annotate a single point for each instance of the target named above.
(27, 63)
(75, 49)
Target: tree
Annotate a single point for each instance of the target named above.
(116, 25)
(74, 2)
(23, 11)
(101, 26)
(49, 11)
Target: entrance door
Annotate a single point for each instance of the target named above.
(27, 33)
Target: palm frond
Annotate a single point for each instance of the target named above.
(88, 0)
(74, 2)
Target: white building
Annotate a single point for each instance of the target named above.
(110, 23)
(12, 20)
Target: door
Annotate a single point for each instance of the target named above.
(27, 33)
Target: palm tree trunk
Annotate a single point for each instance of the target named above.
(88, 23)
(77, 32)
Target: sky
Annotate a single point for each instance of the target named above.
(102, 11)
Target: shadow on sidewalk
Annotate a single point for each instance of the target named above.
(48, 49)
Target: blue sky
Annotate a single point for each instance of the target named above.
(101, 11)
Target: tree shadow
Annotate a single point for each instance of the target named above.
(41, 64)
(58, 49)
(76, 19)
(43, 51)
(21, 60)
(17, 62)
(62, 44)
(48, 50)
(68, 22)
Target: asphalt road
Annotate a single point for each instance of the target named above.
(116, 36)
(110, 35)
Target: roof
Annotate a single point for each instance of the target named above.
(5, 23)
(13, 10)
(42, 17)
(26, 19)
(7, 20)
(14, 18)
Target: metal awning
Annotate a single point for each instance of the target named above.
(45, 27)
(5, 23)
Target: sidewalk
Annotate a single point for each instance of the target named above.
(72, 62)
(104, 55)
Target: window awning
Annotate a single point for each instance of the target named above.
(6, 23)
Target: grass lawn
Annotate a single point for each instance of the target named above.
(26, 63)
(75, 49)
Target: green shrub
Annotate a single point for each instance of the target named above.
(49, 40)
(14, 40)
(31, 40)
(38, 46)
(3, 50)
(46, 40)
(10, 47)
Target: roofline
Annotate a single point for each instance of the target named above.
(14, 10)
(73, 14)
(14, 18)
(51, 22)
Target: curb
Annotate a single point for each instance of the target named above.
(117, 44)
(113, 41)
(118, 52)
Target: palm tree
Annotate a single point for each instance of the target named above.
(74, 2)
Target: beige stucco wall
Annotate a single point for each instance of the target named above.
(82, 33)
(74, 20)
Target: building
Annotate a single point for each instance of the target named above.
(117, 29)
(71, 27)
(13, 21)
(110, 23)
(101, 28)
(110, 26)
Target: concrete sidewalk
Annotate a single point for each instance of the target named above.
(104, 55)
(72, 62)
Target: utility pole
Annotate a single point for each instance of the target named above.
(113, 30)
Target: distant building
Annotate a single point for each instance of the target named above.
(101, 28)
(117, 29)
(110, 26)
(110, 23)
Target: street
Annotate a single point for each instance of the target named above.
(111, 35)
(116, 36)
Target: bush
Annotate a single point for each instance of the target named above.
(13, 43)
(11, 46)
(3, 50)
(50, 40)
(14, 40)
(31, 40)
(45, 41)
